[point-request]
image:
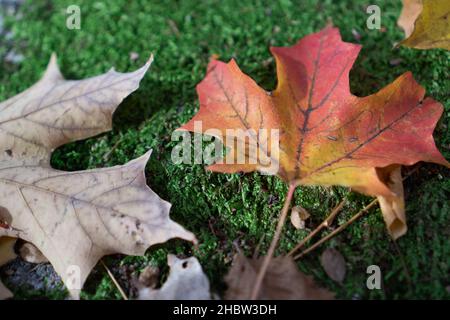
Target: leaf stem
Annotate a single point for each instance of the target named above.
(262, 271)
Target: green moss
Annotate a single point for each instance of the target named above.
(224, 210)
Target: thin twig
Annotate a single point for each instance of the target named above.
(411, 172)
(114, 147)
(339, 229)
(173, 26)
(258, 246)
(325, 223)
(273, 244)
(122, 293)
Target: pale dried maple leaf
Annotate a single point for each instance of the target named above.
(298, 217)
(29, 253)
(75, 218)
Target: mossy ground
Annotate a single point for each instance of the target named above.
(227, 210)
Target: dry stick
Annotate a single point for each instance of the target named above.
(325, 223)
(336, 231)
(258, 246)
(273, 244)
(122, 293)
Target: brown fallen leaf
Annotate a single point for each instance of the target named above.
(30, 253)
(426, 24)
(333, 263)
(6, 254)
(4, 292)
(149, 277)
(75, 218)
(283, 281)
(186, 281)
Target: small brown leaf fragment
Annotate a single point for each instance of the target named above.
(356, 35)
(333, 263)
(393, 207)
(149, 277)
(186, 281)
(30, 253)
(7, 250)
(134, 56)
(283, 281)
(298, 217)
(395, 62)
(4, 292)
(6, 255)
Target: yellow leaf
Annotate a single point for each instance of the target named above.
(410, 12)
(432, 27)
